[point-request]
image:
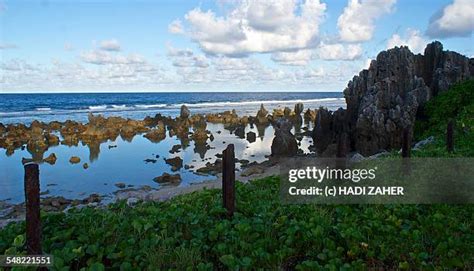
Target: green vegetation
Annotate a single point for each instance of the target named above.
(191, 231)
(457, 104)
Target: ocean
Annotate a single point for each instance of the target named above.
(24, 108)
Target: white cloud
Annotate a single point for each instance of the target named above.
(257, 27)
(310, 73)
(186, 58)
(176, 27)
(339, 51)
(172, 51)
(454, 20)
(103, 58)
(17, 65)
(199, 61)
(413, 39)
(357, 22)
(4, 46)
(110, 45)
(59, 75)
(298, 58)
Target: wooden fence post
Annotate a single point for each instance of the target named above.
(228, 179)
(406, 142)
(32, 203)
(450, 136)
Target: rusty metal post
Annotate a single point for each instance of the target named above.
(450, 136)
(32, 203)
(228, 179)
(406, 142)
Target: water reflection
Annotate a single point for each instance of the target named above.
(122, 159)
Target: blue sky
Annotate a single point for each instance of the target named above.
(291, 45)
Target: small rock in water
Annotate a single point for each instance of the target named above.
(175, 148)
(251, 137)
(85, 165)
(240, 131)
(150, 161)
(168, 178)
(51, 159)
(176, 163)
(120, 185)
(112, 146)
(74, 160)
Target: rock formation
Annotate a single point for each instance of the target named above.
(284, 143)
(310, 115)
(185, 113)
(386, 98)
(262, 115)
(299, 108)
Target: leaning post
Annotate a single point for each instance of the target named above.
(450, 136)
(228, 179)
(32, 203)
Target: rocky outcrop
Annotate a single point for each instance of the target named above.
(157, 134)
(251, 137)
(240, 131)
(284, 143)
(262, 115)
(176, 163)
(386, 98)
(166, 178)
(184, 112)
(310, 115)
(299, 108)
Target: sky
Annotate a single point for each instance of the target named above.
(234, 45)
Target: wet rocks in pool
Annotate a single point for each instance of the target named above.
(148, 160)
(120, 185)
(251, 137)
(240, 131)
(176, 163)
(74, 160)
(175, 148)
(51, 159)
(167, 178)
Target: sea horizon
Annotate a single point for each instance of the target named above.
(6, 92)
(18, 108)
